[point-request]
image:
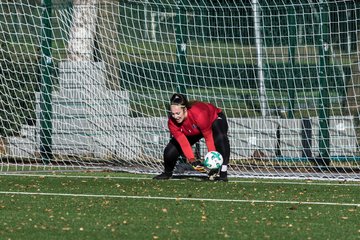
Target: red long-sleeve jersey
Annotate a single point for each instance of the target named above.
(198, 121)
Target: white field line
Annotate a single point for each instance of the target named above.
(231, 180)
(180, 198)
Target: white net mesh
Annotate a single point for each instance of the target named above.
(86, 83)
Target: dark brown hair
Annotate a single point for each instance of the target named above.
(179, 99)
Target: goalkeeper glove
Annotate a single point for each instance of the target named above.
(198, 166)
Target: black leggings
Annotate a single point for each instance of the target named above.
(219, 128)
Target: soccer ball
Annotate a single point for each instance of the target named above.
(213, 160)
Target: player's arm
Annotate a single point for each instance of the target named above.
(185, 146)
(209, 139)
(182, 140)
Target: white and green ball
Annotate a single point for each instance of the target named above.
(213, 160)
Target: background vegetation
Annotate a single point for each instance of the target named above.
(221, 59)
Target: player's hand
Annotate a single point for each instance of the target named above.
(198, 166)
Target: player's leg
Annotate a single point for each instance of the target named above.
(220, 129)
(172, 152)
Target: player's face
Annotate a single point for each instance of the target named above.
(178, 113)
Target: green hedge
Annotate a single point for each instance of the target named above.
(160, 75)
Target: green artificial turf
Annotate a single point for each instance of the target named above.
(124, 206)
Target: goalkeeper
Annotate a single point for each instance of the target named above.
(188, 123)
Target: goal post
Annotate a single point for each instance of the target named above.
(85, 84)
(45, 76)
(324, 100)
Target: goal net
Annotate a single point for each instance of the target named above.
(85, 84)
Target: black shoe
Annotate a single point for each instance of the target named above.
(222, 177)
(163, 176)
